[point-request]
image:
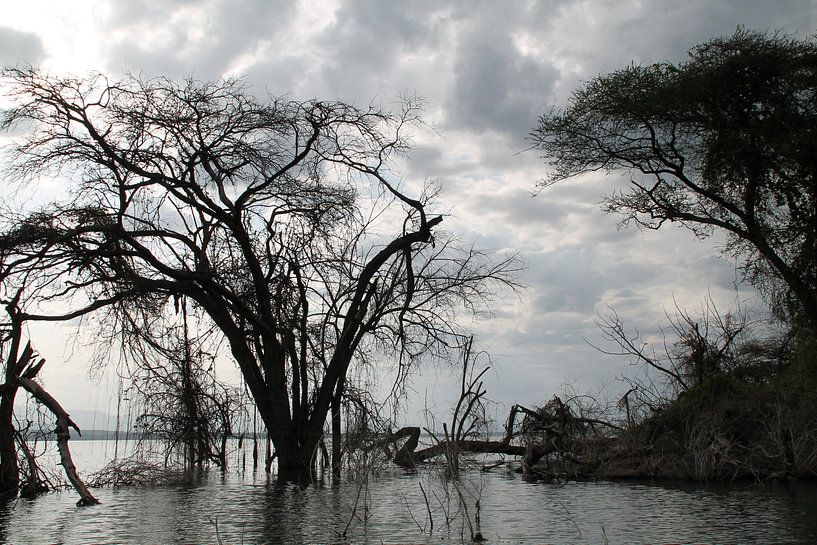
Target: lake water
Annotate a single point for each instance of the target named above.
(389, 507)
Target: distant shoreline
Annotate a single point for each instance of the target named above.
(95, 435)
(125, 435)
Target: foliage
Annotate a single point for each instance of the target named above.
(724, 141)
(732, 425)
(719, 397)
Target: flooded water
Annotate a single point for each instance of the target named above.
(391, 507)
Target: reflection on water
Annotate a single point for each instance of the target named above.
(250, 508)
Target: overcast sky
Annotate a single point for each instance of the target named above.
(486, 71)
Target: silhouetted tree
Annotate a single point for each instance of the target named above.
(694, 347)
(172, 380)
(281, 221)
(724, 141)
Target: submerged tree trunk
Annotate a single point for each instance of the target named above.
(9, 469)
(295, 461)
(15, 363)
(337, 450)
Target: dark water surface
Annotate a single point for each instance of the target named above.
(249, 507)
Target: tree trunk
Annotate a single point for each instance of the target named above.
(9, 469)
(337, 451)
(295, 457)
(15, 362)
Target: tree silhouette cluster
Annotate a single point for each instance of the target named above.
(282, 222)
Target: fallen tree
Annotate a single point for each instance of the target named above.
(552, 429)
(64, 422)
(22, 368)
(555, 428)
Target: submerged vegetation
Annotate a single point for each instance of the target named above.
(724, 424)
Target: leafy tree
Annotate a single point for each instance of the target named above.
(725, 141)
(279, 221)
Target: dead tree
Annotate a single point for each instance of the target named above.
(468, 423)
(691, 349)
(22, 367)
(269, 217)
(64, 422)
(407, 456)
(557, 427)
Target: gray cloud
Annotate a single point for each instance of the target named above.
(370, 34)
(487, 70)
(20, 48)
(495, 86)
(374, 48)
(184, 37)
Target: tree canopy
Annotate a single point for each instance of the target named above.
(726, 140)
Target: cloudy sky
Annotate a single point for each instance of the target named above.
(486, 71)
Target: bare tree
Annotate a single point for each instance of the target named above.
(282, 221)
(171, 377)
(692, 348)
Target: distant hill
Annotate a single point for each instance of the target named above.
(98, 425)
(96, 420)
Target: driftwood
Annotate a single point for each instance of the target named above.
(64, 422)
(532, 453)
(462, 437)
(407, 455)
(551, 429)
